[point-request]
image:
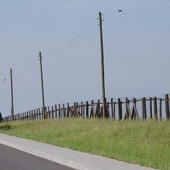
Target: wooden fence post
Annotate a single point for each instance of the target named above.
(150, 100)
(155, 108)
(63, 115)
(87, 110)
(120, 109)
(68, 109)
(55, 110)
(42, 115)
(128, 112)
(98, 109)
(59, 111)
(34, 114)
(112, 108)
(167, 106)
(160, 108)
(48, 113)
(134, 110)
(52, 112)
(37, 113)
(144, 113)
(79, 109)
(29, 115)
(108, 109)
(82, 109)
(75, 110)
(92, 109)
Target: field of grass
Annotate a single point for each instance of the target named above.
(141, 142)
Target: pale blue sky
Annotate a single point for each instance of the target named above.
(136, 48)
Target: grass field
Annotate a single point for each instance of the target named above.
(141, 142)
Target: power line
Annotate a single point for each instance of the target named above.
(156, 12)
(74, 43)
(146, 7)
(156, 4)
(27, 68)
(70, 44)
(77, 37)
(142, 5)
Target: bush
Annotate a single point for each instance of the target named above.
(5, 127)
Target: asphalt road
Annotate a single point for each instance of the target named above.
(13, 159)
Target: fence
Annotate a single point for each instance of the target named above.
(120, 109)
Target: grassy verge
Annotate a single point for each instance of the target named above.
(142, 142)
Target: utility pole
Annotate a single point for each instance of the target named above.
(42, 87)
(12, 97)
(102, 67)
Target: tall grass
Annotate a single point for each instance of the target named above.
(141, 142)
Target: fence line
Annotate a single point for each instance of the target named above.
(120, 109)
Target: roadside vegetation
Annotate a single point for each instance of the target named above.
(141, 142)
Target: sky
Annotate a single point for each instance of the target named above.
(136, 50)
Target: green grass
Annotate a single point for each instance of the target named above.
(141, 142)
(5, 127)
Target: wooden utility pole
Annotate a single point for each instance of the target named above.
(102, 66)
(42, 88)
(12, 96)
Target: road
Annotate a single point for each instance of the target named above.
(13, 159)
